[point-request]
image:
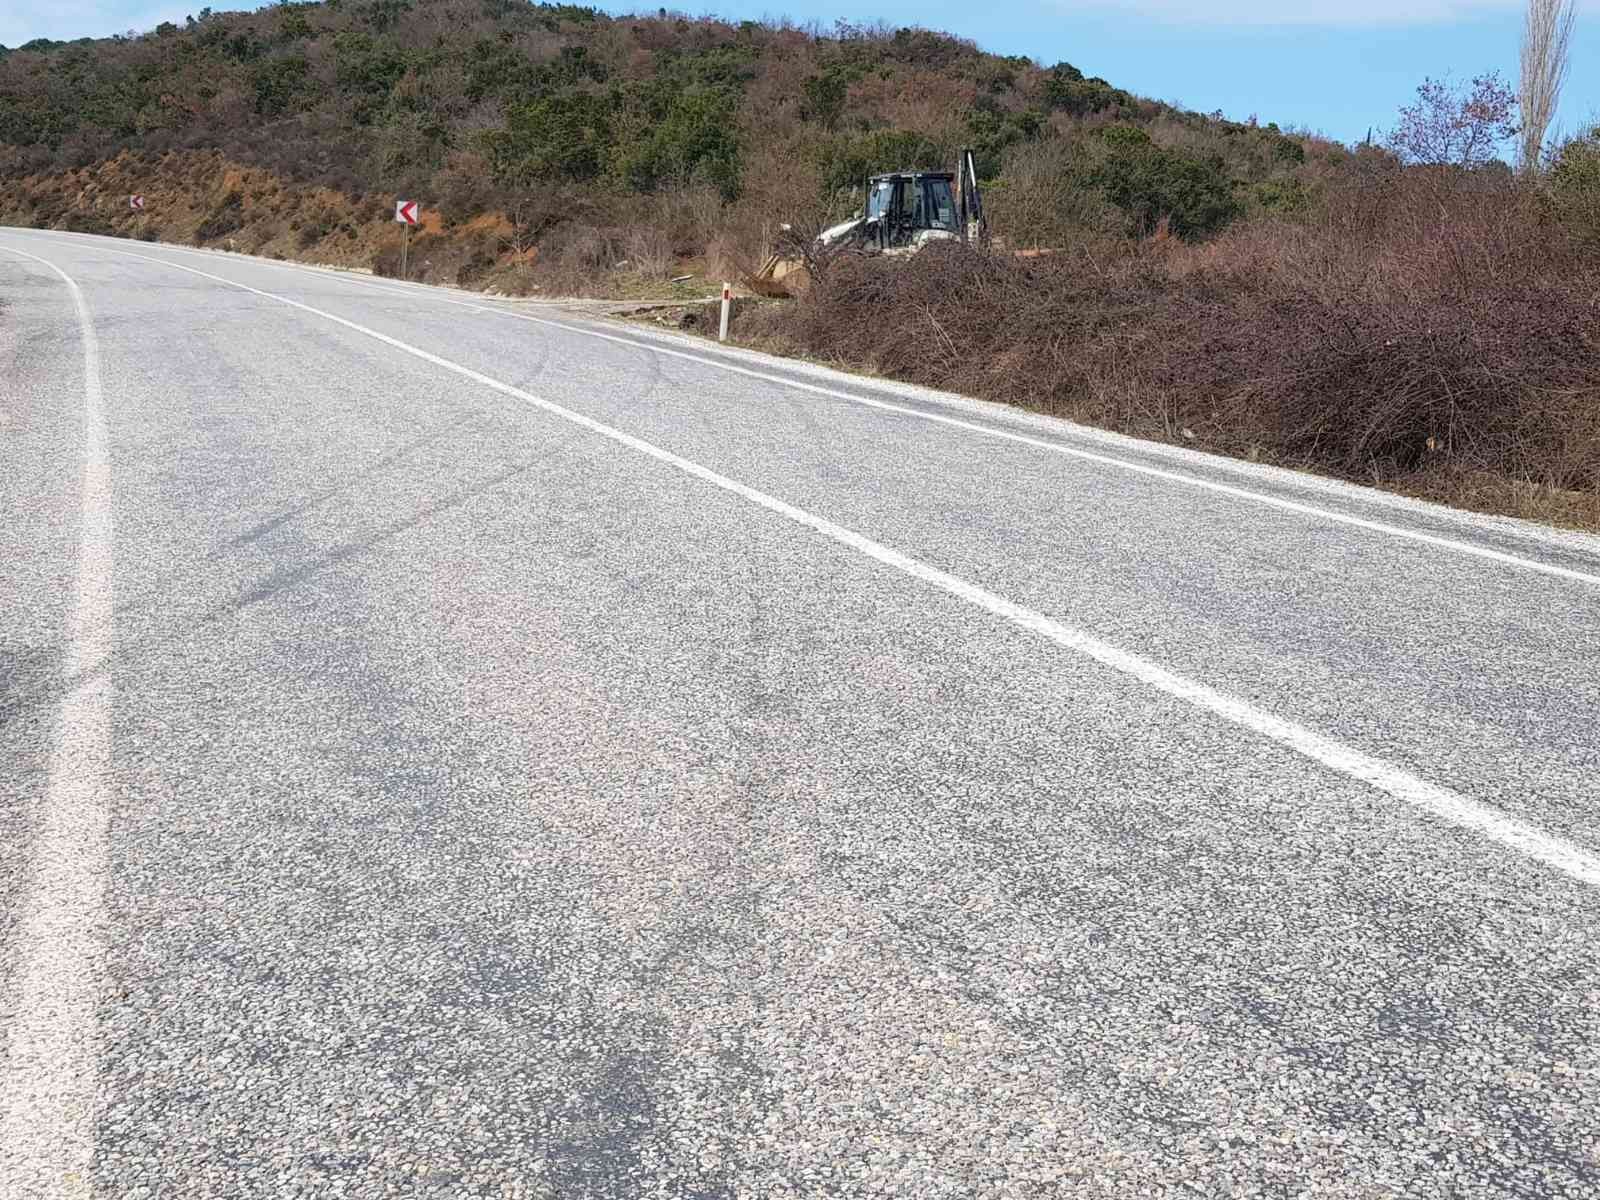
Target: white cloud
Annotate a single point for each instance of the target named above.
(1344, 13)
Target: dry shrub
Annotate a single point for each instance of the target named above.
(1434, 335)
(1040, 201)
(572, 259)
(783, 186)
(463, 186)
(689, 218)
(386, 262)
(648, 251)
(581, 247)
(728, 257)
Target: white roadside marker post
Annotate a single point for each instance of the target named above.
(727, 297)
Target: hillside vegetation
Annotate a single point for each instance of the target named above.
(586, 140)
(1259, 291)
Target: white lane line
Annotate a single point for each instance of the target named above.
(1520, 836)
(48, 1081)
(1239, 493)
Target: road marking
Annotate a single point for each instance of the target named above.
(48, 1082)
(1110, 460)
(1521, 836)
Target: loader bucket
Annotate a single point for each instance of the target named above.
(780, 278)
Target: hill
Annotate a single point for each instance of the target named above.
(1423, 325)
(556, 134)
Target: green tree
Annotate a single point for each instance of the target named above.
(695, 141)
(555, 137)
(279, 84)
(495, 68)
(293, 23)
(992, 131)
(1066, 90)
(847, 161)
(367, 68)
(1575, 183)
(825, 97)
(1150, 184)
(383, 15)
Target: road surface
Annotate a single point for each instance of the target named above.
(457, 749)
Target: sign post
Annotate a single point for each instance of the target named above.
(407, 213)
(727, 298)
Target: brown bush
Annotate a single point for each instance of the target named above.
(386, 262)
(648, 251)
(1428, 327)
(1431, 338)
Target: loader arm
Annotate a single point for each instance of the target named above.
(974, 224)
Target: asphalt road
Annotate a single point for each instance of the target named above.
(452, 748)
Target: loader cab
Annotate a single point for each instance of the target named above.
(908, 208)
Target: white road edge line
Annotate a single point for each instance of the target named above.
(1110, 460)
(48, 1082)
(1520, 836)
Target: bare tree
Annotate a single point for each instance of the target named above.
(1546, 41)
(1456, 125)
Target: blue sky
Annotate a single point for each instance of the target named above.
(1336, 67)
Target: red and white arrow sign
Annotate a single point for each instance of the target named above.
(136, 203)
(407, 212)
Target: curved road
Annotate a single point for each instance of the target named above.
(456, 749)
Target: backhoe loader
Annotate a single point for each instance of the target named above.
(902, 212)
